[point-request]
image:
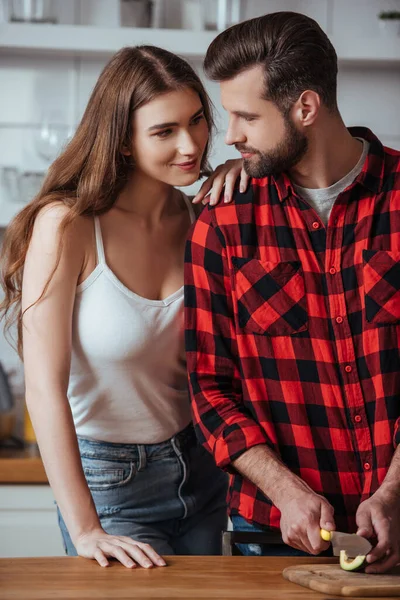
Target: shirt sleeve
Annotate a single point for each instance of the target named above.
(223, 424)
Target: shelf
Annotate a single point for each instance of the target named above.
(79, 40)
(72, 40)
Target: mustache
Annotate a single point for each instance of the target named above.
(240, 148)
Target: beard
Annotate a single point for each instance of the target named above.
(282, 158)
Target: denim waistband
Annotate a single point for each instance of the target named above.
(185, 439)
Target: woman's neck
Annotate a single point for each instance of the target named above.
(148, 199)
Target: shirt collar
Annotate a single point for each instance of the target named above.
(371, 175)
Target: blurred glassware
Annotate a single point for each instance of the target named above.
(9, 180)
(4, 11)
(49, 138)
(138, 13)
(220, 14)
(32, 11)
(158, 14)
(193, 15)
(100, 13)
(21, 186)
(29, 184)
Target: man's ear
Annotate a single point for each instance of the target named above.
(306, 109)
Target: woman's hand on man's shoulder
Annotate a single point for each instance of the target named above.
(220, 184)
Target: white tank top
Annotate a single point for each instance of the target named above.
(128, 381)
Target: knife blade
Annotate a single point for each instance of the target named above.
(353, 544)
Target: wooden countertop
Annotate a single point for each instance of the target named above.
(185, 577)
(20, 466)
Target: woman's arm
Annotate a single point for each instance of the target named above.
(47, 327)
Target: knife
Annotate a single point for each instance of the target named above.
(353, 544)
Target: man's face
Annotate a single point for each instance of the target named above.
(268, 141)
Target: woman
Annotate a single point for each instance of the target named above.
(94, 267)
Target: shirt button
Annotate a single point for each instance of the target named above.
(348, 369)
(315, 225)
(358, 419)
(367, 466)
(332, 270)
(339, 320)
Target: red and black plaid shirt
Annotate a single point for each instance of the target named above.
(293, 334)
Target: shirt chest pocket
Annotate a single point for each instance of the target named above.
(381, 272)
(271, 297)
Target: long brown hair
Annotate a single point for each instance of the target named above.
(90, 173)
(292, 48)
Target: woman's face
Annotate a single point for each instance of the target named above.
(170, 134)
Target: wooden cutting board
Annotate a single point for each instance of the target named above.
(331, 579)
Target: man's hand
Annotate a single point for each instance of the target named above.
(379, 517)
(303, 514)
(224, 175)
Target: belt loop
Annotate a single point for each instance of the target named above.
(142, 457)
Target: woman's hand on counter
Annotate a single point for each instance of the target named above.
(99, 544)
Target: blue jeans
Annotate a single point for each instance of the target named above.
(170, 495)
(240, 524)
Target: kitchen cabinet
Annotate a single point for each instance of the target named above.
(28, 522)
(28, 515)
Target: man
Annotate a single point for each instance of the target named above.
(293, 301)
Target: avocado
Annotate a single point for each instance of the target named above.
(351, 564)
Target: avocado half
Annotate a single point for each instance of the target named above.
(351, 564)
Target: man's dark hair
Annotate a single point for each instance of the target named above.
(293, 50)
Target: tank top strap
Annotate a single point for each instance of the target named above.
(101, 258)
(189, 207)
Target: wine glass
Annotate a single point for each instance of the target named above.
(48, 140)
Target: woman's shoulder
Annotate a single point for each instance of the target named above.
(53, 214)
(56, 220)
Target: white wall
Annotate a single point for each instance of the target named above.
(30, 86)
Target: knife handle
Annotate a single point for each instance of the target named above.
(326, 535)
